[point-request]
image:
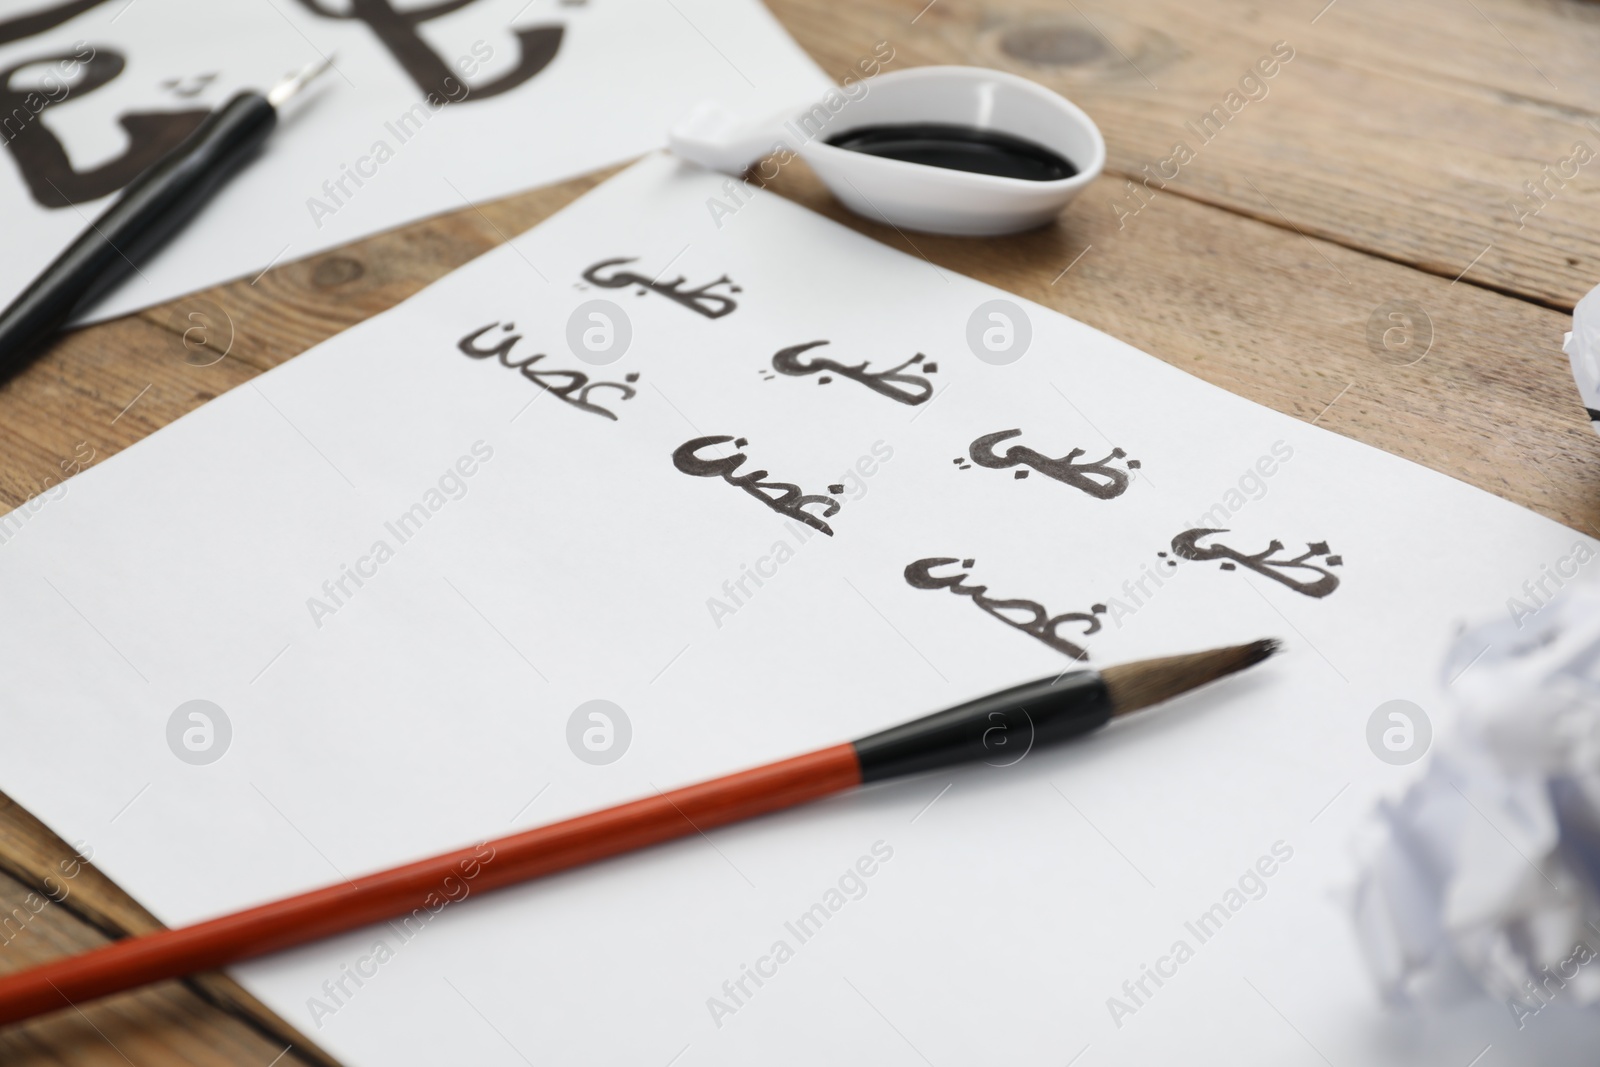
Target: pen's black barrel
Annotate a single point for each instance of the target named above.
(998, 729)
(150, 210)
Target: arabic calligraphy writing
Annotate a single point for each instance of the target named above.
(37, 22)
(1187, 546)
(44, 161)
(785, 498)
(894, 383)
(569, 386)
(1097, 477)
(1029, 616)
(399, 32)
(701, 301)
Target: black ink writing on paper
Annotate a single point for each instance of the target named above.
(45, 164)
(701, 301)
(785, 498)
(569, 386)
(1099, 478)
(895, 383)
(1298, 572)
(1029, 616)
(40, 21)
(399, 32)
(737, 592)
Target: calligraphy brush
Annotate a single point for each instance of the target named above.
(153, 207)
(1029, 715)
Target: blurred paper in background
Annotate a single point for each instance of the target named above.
(428, 109)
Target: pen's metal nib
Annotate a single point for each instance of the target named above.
(293, 84)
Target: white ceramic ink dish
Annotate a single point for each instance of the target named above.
(907, 195)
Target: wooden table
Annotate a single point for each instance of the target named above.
(1386, 238)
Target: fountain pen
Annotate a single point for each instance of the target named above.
(153, 207)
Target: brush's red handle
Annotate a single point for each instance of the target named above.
(426, 885)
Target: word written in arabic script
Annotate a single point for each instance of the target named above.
(1187, 546)
(400, 33)
(737, 593)
(569, 386)
(1097, 477)
(785, 498)
(1029, 616)
(894, 383)
(701, 301)
(45, 163)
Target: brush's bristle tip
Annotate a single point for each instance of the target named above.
(1263, 649)
(1138, 685)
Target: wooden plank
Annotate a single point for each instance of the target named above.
(164, 1024)
(1396, 151)
(1519, 53)
(98, 391)
(296, 306)
(42, 876)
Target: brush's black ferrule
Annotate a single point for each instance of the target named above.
(998, 729)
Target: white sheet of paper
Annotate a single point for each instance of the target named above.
(430, 708)
(362, 151)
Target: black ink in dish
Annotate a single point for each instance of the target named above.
(968, 148)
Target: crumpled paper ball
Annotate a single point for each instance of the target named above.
(1582, 347)
(1485, 875)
